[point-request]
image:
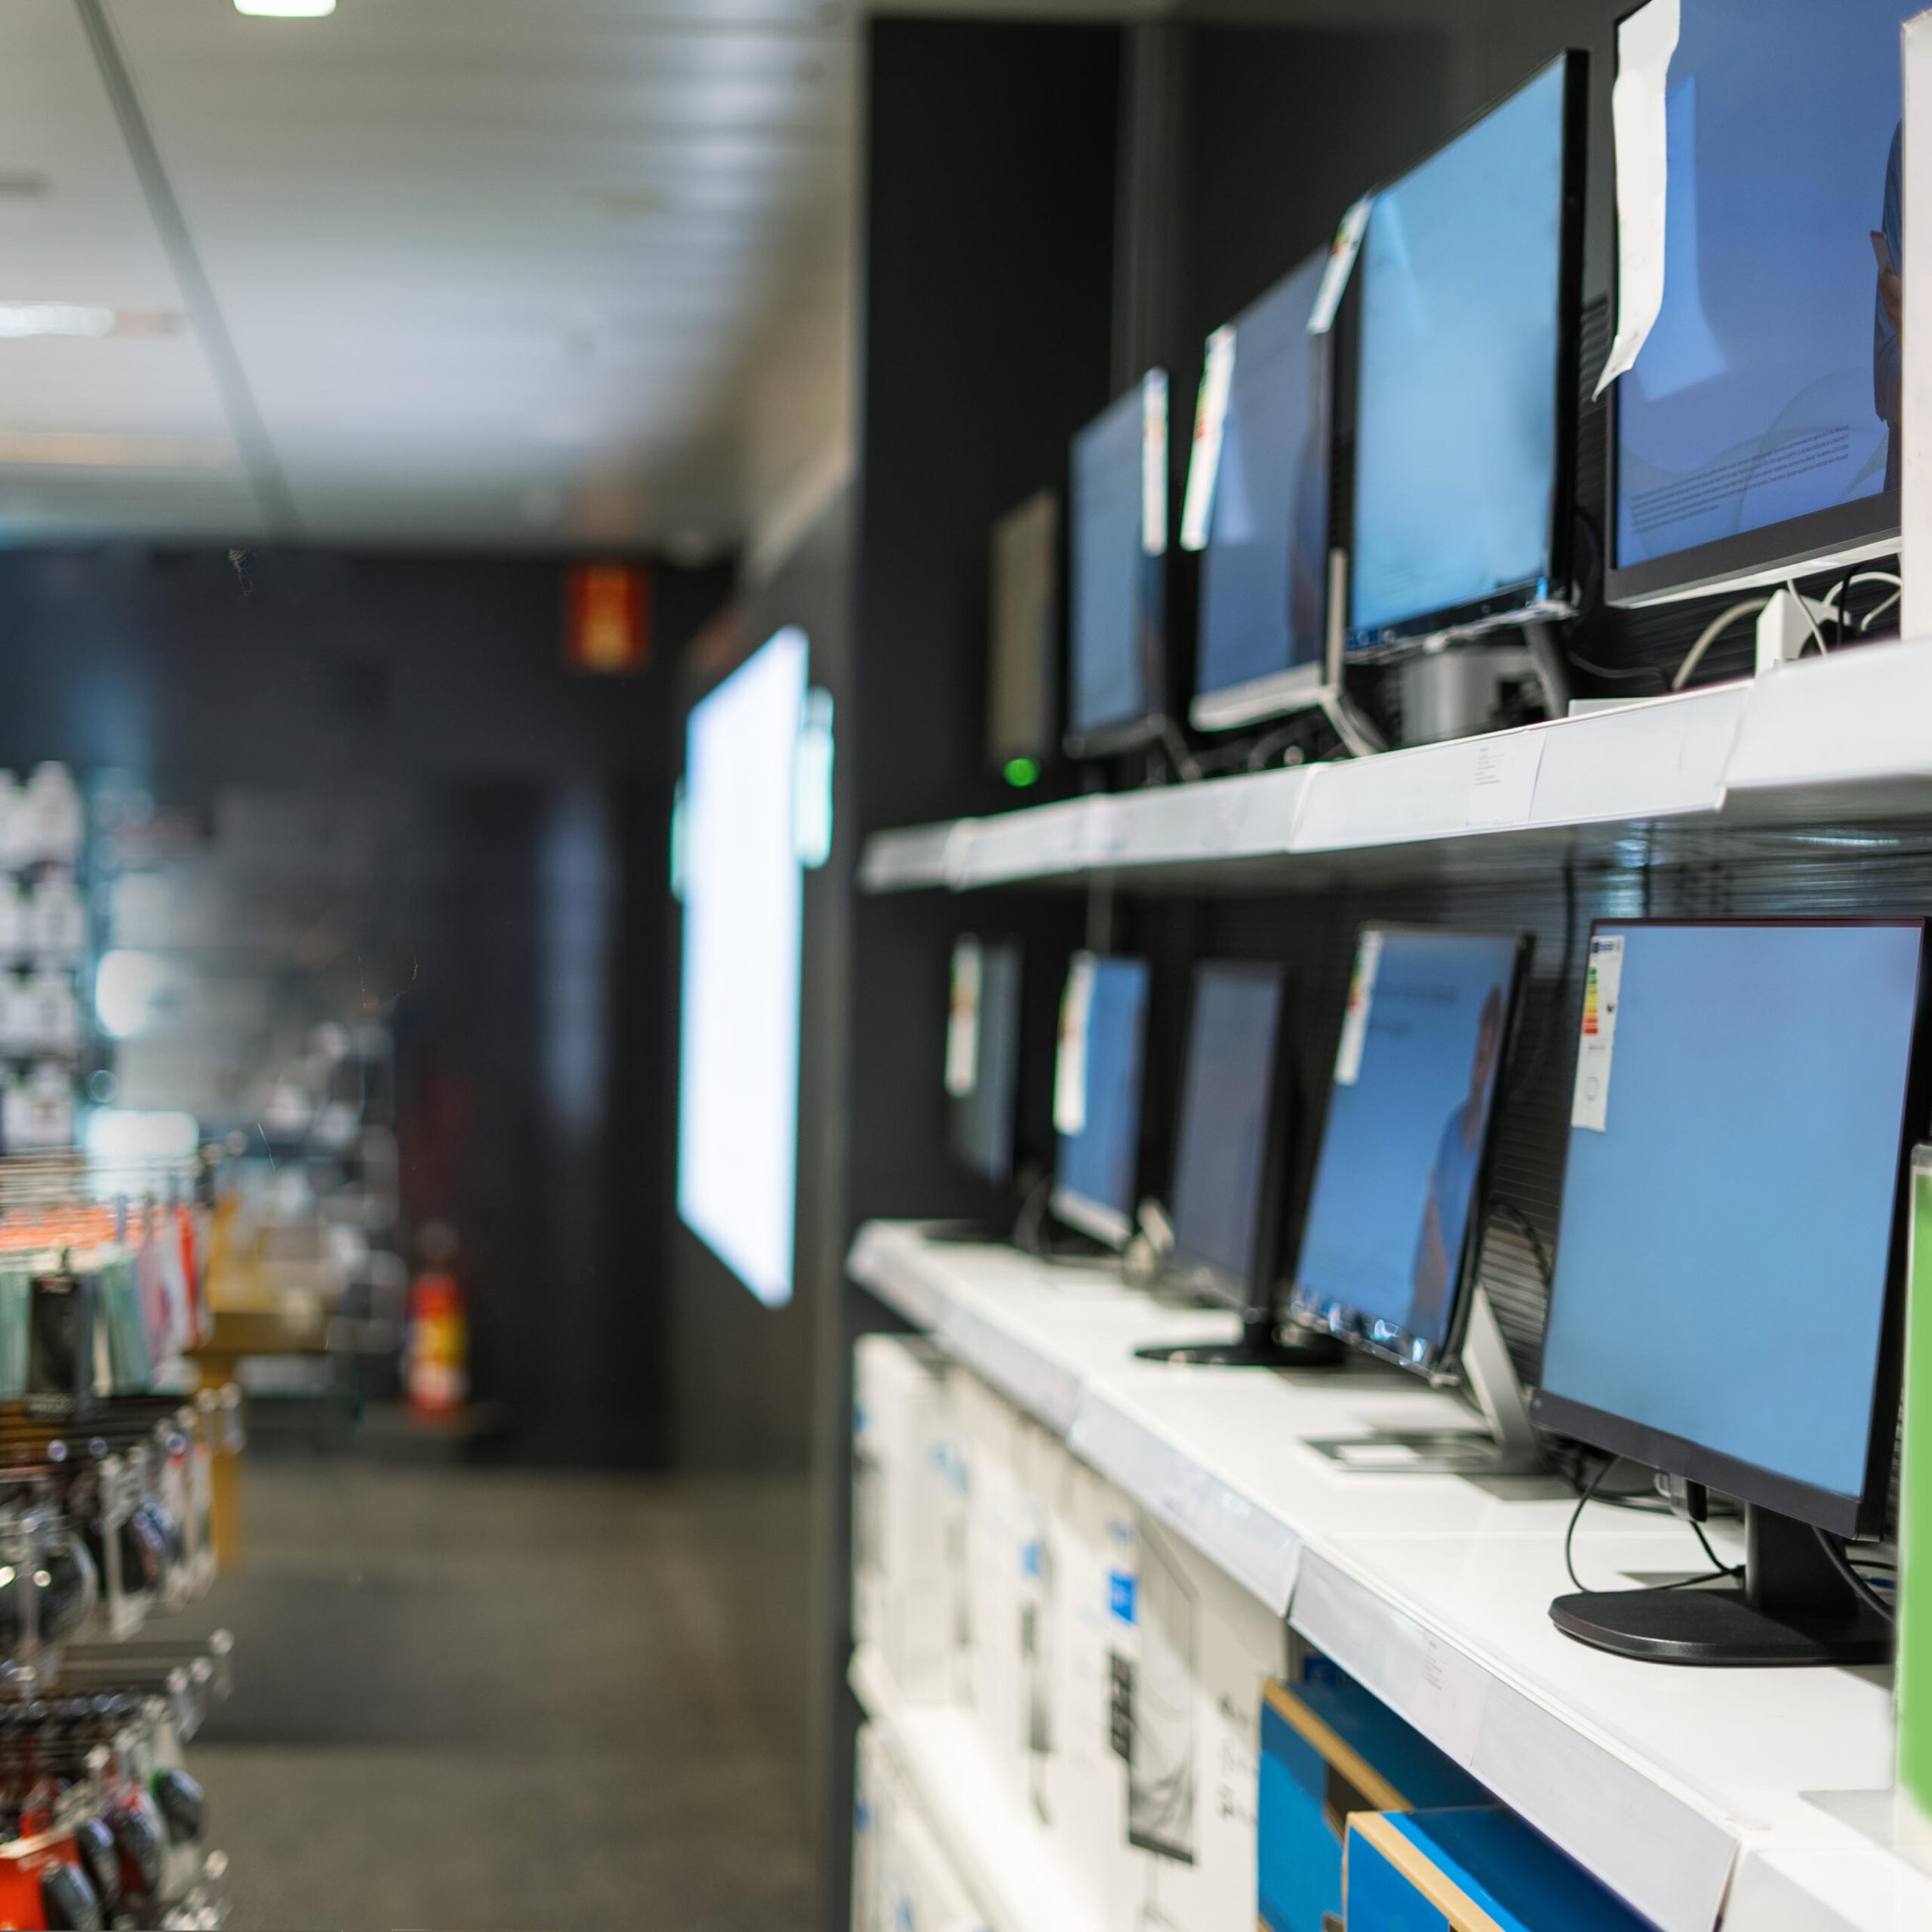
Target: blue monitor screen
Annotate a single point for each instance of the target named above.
(1768, 388)
(1116, 673)
(1402, 1152)
(1456, 431)
(1263, 579)
(1722, 1262)
(1098, 1166)
(1226, 1105)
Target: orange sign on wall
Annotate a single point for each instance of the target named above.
(607, 617)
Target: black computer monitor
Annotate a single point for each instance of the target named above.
(1096, 1097)
(1394, 1226)
(1230, 1157)
(1729, 1267)
(982, 1056)
(1022, 671)
(1262, 647)
(1117, 695)
(1469, 285)
(1758, 433)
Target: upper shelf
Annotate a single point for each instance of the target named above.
(1823, 739)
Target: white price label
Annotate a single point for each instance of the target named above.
(962, 1022)
(1342, 254)
(1211, 417)
(1504, 787)
(1355, 1021)
(1603, 985)
(1070, 1068)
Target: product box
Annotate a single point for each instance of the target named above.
(989, 1437)
(1330, 1749)
(1472, 1870)
(1080, 1792)
(872, 1776)
(1190, 1675)
(920, 1889)
(907, 1497)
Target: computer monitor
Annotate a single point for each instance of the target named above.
(1230, 1158)
(1262, 647)
(1117, 696)
(1729, 1264)
(1466, 377)
(1394, 1226)
(1023, 707)
(982, 1056)
(1757, 435)
(1096, 1096)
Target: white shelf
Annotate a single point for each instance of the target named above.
(999, 1848)
(1821, 740)
(1434, 1592)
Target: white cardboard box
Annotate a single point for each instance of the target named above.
(1202, 1648)
(908, 1512)
(988, 1434)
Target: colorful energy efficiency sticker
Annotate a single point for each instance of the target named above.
(962, 1024)
(1590, 1105)
(1354, 1022)
(1211, 416)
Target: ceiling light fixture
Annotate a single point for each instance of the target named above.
(21, 319)
(286, 9)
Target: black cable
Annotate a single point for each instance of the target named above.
(1718, 1568)
(1510, 1211)
(1862, 1587)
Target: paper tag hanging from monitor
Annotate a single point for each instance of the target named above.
(1342, 254)
(1076, 1005)
(1354, 1022)
(962, 1024)
(1645, 42)
(1211, 416)
(1154, 462)
(1602, 988)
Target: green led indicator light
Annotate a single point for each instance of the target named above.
(1021, 771)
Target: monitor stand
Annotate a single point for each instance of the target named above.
(1792, 1607)
(1507, 1447)
(1261, 1347)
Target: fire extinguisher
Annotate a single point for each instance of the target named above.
(436, 1372)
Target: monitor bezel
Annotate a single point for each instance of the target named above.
(1295, 687)
(1110, 1226)
(1748, 1482)
(1260, 1292)
(1112, 736)
(1438, 1363)
(1047, 501)
(1841, 534)
(1553, 595)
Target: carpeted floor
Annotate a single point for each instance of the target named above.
(483, 1699)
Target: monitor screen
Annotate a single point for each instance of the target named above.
(1022, 711)
(1264, 573)
(1119, 540)
(982, 1055)
(1459, 429)
(1726, 1250)
(1228, 1127)
(1758, 428)
(738, 1035)
(1395, 1217)
(1096, 1096)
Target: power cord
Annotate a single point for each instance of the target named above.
(1748, 607)
(1861, 1586)
(1718, 1566)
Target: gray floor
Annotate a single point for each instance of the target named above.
(489, 1701)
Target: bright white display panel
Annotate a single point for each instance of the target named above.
(738, 1044)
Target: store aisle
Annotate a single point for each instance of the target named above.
(511, 1699)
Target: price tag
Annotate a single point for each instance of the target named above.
(962, 1024)
(1070, 1068)
(1504, 787)
(1342, 254)
(1211, 416)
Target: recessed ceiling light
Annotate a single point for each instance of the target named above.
(286, 9)
(82, 318)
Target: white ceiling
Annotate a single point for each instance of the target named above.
(494, 271)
